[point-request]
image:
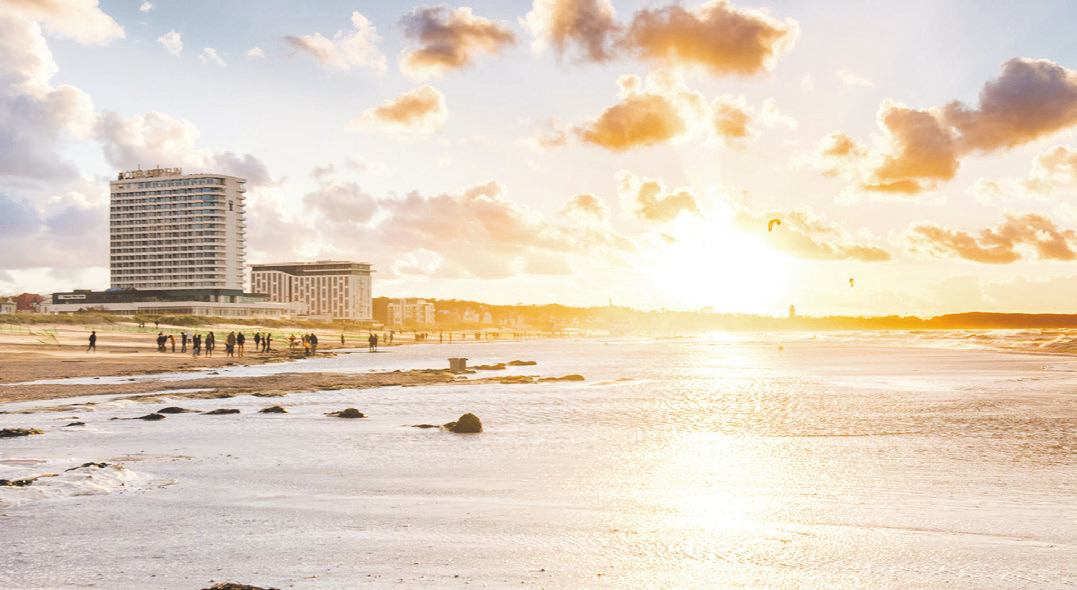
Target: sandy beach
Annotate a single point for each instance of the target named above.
(49, 352)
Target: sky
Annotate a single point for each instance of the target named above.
(921, 156)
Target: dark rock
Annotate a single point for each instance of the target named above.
(220, 411)
(347, 413)
(174, 410)
(234, 586)
(75, 424)
(22, 483)
(424, 426)
(565, 378)
(10, 432)
(522, 363)
(97, 465)
(497, 367)
(466, 424)
(273, 410)
(151, 417)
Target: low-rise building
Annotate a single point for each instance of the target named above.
(327, 288)
(411, 311)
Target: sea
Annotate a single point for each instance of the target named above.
(930, 460)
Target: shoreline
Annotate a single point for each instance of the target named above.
(59, 352)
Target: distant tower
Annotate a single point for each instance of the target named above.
(792, 312)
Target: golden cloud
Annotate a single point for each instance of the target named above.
(1031, 99)
(639, 120)
(450, 40)
(716, 36)
(420, 110)
(652, 202)
(1003, 244)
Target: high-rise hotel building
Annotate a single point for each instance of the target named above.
(337, 289)
(174, 231)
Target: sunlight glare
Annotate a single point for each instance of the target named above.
(713, 264)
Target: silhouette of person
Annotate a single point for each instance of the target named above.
(93, 342)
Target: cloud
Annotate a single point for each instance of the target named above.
(420, 110)
(639, 120)
(342, 203)
(921, 150)
(651, 201)
(449, 40)
(256, 53)
(346, 50)
(590, 24)
(806, 235)
(731, 118)
(1057, 166)
(209, 55)
(146, 7)
(157, 139)
(476, 232)
(1028, 235)
(172, 42)
(586, 207)
(34, 115)
(663, 109)
(1031, 99)
(716, 36)
(81, 20)
(848, 78)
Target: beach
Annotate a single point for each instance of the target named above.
(725, 461)
(59, 351)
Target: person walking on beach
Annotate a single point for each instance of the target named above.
(183, 341)
(267, 340)
(230, 344)
(93, 342)
(172, 341)
(211, 340)
(240, 339)
(257, 342)
(196, 345)
(313, 344)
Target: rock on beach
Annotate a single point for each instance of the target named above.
(467, 424)
(12, 432)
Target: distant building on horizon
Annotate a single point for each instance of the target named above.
(402, 311)
(169, 231)
(329, 288)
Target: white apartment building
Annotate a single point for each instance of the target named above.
(418, 311)
(338, 289)
(170, 230)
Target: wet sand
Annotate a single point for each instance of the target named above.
(50, 352)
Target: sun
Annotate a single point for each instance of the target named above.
(706, 262)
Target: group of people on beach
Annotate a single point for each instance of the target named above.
(309, 343)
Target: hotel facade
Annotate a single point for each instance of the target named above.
(169, 230)
(177, 245)
(328, 288)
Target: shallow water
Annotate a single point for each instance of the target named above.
(720, 462)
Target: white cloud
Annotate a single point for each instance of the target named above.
(81, 20)
(172, 42)
(850, 79)
(146, 7)
(357, 48)
(256, 53)
(209, 55)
